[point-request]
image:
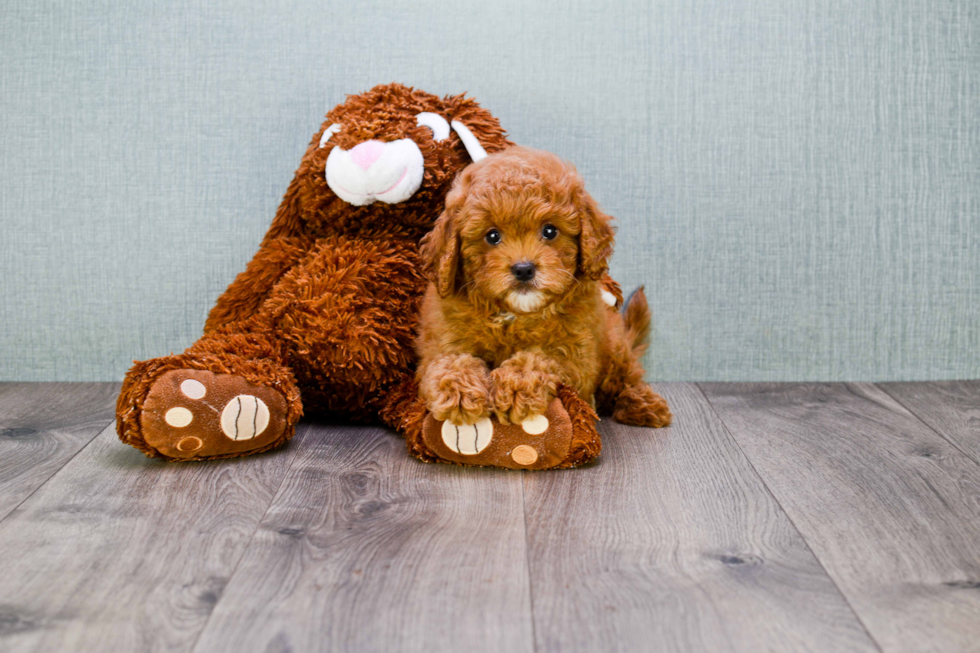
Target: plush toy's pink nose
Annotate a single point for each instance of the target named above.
(367, 153)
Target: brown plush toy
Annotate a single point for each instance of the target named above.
(323, 318)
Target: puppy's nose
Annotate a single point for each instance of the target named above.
(523, 271)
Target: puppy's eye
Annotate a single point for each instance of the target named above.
(493, 237)
(550, 232)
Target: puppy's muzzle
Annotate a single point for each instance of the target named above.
(523, 271)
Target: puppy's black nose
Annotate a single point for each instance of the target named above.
(523, 271)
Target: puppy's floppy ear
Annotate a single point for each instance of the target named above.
(440, 247)
(440, 254)
(595, 242)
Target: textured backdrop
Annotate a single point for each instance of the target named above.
(797, 181)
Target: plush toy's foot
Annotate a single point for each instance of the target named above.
(539, 442)
(198, 406)
(196, 414)
(564, 436)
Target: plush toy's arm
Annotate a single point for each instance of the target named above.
(245, 294)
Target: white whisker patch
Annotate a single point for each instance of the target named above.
(525, 302)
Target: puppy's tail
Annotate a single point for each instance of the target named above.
(636, 315)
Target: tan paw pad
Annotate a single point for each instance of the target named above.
(467, 439)
(193, 389)
(244, 417)
(178, 417)
(190, 444)
(524, 455)
(535, 425)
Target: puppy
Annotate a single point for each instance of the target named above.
(515, 305)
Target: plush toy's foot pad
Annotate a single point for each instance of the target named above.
(538, 443)
(195, 414)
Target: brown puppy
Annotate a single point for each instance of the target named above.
(515, 305)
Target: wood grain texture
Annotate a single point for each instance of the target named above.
(891, 509)
(367, 549)
(673, 543)
(42, 425)
(118, 552)
(952, 408)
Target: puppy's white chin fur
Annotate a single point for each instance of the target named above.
(525, 302)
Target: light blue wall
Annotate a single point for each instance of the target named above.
(797, 181)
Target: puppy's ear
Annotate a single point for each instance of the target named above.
(595, 242)
(440, 248)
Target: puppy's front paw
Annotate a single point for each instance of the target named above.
(523, 387)
(456, 389)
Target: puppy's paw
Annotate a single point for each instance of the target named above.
(456, 389)
(523, 387)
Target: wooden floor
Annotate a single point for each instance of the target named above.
(768, 518)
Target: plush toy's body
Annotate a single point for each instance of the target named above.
(323, 318)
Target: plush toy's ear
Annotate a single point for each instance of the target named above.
(475, 126)
(470, 142)
(595, 242)
(440, 251)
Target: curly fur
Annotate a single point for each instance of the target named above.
(523, 385)
(528, 337)
(326, 311)
(459, 387)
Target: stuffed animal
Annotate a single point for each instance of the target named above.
(323, 318)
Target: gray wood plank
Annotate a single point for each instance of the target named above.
(673, 543)
(891, 509)
(367, 549)
(118, 552)
(950, 407)
(42, 425)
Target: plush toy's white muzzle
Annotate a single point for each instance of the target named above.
(389, 172)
